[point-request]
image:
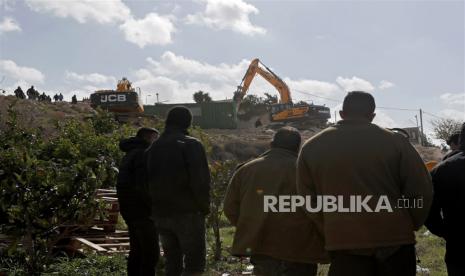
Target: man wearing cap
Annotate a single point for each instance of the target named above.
(179, 184)
(135, 207)
(356, 158)
(278, 243)
(446, 216)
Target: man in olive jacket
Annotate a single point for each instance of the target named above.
(278, 243)
(358, 158)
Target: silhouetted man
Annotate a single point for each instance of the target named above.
(447, 213)
(356, 161)
(31, 93)
(278, 243)
(179, 183)
(74, 99)
(19, 93)
(135, 206)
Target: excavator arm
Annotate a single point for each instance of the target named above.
(268, 75)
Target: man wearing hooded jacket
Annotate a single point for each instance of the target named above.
(446, 215)
(135, 205)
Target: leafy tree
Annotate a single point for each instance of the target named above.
(270, 99)
(251, 106)
(48, 183)
(301, 103)
(444, 128)
(221, 172)
(202, 97)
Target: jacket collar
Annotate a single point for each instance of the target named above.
(279, 151)
(175, 130)
(353, 122)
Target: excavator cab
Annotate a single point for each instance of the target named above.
(124, 101)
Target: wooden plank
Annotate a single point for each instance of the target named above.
(108, 239)
(109, 199)
(90, 244)
(113, 244)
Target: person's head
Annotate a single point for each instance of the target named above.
(147, 134)
(287, 138)
(453, 141)
(462, 138)
(358, 105)
(179, 116)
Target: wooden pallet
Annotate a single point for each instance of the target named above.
(99, 236)
(102, 237)
(105, 243)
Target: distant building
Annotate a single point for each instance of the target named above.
(414, 134)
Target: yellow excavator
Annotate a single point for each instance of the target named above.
(285, 112)
(124, 102)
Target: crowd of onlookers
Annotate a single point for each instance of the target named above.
(164, 193)
(33, 94)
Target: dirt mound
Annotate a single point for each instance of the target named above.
(430, 153)
(33, 114)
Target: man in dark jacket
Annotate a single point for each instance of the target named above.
(446, 216)
(179, 184)
(135, 204)
(278, 243)
(358, 158)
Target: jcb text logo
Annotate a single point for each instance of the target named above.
(112, 98)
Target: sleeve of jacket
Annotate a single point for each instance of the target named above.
(199, 175)
(415, 182)
(124, 170)
(231, 204)
(306, 186)
(434, 222)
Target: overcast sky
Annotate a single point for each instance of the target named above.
(409, 54)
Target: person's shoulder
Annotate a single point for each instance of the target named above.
(457, 158)
(321, 135)
(249, 165)
(320, 138)
(450, 166)
(191, 139)
(192, 142)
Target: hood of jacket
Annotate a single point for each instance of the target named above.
(133, 143)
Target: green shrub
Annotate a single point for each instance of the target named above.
(48, 182)
(93, 265)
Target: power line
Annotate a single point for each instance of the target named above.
(310, 94)
(433, 115)
(339, 101)
(396, 108)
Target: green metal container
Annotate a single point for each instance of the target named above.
(221, 115)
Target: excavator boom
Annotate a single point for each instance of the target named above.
(269, 76)
(285, 111)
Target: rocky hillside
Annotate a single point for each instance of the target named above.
(35, 114)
